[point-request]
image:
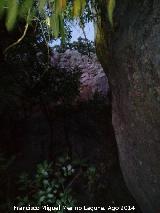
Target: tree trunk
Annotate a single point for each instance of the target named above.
(130, 54)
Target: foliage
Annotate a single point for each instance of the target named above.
(37, 80)
(54, 11)
(111, 7)
(52, 185)
(81, 45)
(48, 187)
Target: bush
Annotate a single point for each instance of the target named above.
(52, 184)
(48, 187)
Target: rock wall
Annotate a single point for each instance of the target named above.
(130, 54)
(91, 136)
(93, 78)
(27, 134)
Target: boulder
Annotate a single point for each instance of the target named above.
(93, 78)
(130, 54)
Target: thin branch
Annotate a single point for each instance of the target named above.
(82, 25)
(44, 37)
(21, 38)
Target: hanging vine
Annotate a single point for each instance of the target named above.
(54, 11)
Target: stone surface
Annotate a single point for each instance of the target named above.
(93, 78)
(91, 135)
(131, 58)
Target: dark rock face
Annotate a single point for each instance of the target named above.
(91, 136)
(133, 66)
(93, 78)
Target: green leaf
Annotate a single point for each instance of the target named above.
(41, 199)
(62, 30)
(11, 14)
(64, 3)
(61, 4)
(41, 5)
(83, 4)
(57, 6)
(92, 170)
(111, 7)
(55, 25)
(50, 196)
(25, 7)
(2, 4)
(49, 189)
(45, 182)
(76, 8)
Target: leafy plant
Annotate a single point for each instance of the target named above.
(52, 184)
(54, 11)
(48, 187)
(83, 46)
(36, 83)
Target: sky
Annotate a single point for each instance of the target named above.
(77, 32)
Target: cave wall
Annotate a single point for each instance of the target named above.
(130, 54)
